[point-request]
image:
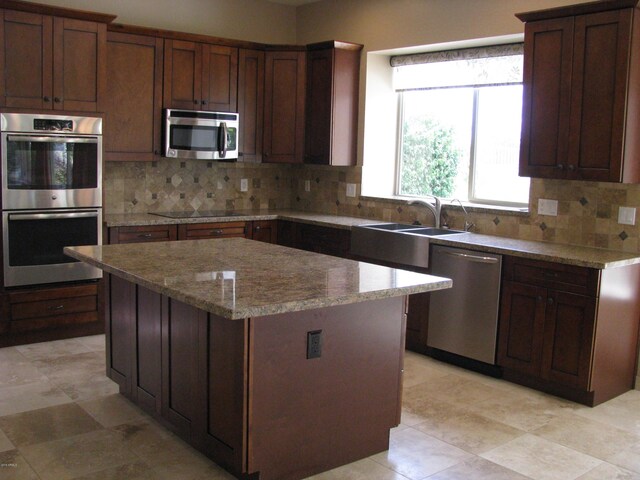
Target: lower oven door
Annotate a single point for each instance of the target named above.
(33, 243)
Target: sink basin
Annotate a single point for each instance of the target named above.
(395, 243)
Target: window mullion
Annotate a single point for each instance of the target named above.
(472, 148)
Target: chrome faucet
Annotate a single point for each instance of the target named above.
(436, 210)
(467, 224)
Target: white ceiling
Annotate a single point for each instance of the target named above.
(295, 3)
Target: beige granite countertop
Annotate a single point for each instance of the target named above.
(239, 278)
(553, 252)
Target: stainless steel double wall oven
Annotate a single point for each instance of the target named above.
(51, 196)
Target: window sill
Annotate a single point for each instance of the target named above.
(470, 207)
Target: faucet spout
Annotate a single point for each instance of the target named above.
(435, 209)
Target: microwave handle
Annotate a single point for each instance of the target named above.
(222, 139)
(30, 138)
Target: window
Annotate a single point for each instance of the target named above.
(460, 115)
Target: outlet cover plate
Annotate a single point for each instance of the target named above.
(627, 216)
(307, 185)
(244, 185)
(351, 189)
(547, 207)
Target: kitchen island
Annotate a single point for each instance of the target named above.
(275, 362)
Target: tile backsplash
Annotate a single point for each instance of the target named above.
(587, 211)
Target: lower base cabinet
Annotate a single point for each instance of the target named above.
(568, 330)
(44, 313)
(315, 238)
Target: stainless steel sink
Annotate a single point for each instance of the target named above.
(396, 243)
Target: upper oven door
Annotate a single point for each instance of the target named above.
(51, 171)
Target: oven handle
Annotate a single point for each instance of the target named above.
(51, 216)
(65, 139)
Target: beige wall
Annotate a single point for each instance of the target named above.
(252, 20)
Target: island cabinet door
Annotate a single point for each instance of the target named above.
(120, 317)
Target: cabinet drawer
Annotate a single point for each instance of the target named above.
(150, 233)
(195, 231)
(567, 278)
(34, 309)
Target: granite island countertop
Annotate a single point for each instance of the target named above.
(238, 278)
(591, 257)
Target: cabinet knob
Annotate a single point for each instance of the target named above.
(571, 167)
(204, 102)
(195, 102)
(550, 300)
(156, 152)
(257, 228)
(57, 99)
(560, 166)
(539, 298)
(46, 99)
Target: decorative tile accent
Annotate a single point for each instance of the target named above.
(154, 196)
(196, 180)
(496, 221)
(209, 195)
(135, 202)
(209, 164)
(399, 209)
(226, 178)
(182, 196)
(317, 179)
(337, 203)
(543, 226)
(583, 201)
(183, 164)
(623, 235)
(252, 198)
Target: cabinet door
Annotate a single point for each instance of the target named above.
(317, 146)
(599, 93)
(146, 331)
(568, 339)
(133, 106)
(251, 104)
(417, 322)
(522, 315)
(182, 74)
(264, 231)
(26, 60)
(546, 99)
(79, 64)
(284, 107)
(219, 78)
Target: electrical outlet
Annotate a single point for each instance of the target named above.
(547, 207)
(219, 185)
(314, 344)
(627, 216)
(244, 185)
(351, 189)
(307, 185)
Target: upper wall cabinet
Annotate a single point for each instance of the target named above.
(51, 62)
(581, 101)
(133, 105)
(284, 106)
(333, 72)
(250, 103)
(199, 76)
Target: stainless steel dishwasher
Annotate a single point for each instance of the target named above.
(464, 319)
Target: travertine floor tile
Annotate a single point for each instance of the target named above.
(79, 455)
(419, 406)
(16, 369)
(607, 471)
(95, 343)
(477, 469)
(541, 459)
(30, 396)
(628, 458)
(46, 424)
(417, 455)
(80, 367)
(365, 469)
(13, 466)
(88, 388)
(469, 431)
(622, 412)
(587, 436)
(51, 350)
(137, 470)
(112, 410)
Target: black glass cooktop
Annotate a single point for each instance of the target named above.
(198, 214)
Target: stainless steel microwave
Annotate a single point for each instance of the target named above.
(201, 135)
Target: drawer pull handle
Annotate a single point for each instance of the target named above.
(551, 274)
(145, 235)
(57, 307)
(257, 228)
(216, 232)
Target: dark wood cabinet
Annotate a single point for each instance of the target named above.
(264, 231)
(333, 73)
(51, 63)
(42, 313)
(133, 106)
(250, 104)
(315, 238)
(284, 106)
(564, 330)
(198, 231)
(199, 76)
(580, 98)
(143, 233)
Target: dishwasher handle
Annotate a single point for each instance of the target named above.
(473, 258)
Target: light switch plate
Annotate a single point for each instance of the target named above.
(547, 207)
(307, 185)
(627, 216)
(351, 189)
(244, 185)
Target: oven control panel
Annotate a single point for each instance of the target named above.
(53, 125)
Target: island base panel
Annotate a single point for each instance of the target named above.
(310, 415)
